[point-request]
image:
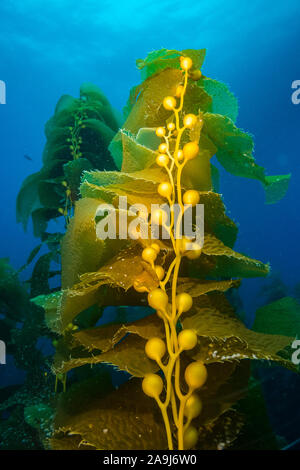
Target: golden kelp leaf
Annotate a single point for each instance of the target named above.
(141, 187)
(211, 350)
(138, 188)
(196, 287)
(213, 323)
(229, 262)
(111, 194)
(156, 61)
(75, 300)
(196, 100)
(128, 355)
(121, 271)
(140, 181)
(79, 299)
(101, 337)
(146, 328)
(124, 420)
(213, 246)
(223, 100)
(148, 110)
(105, 337)
(135, 156)
(147, 137)
(82, 251)
(197, 172)
(105, 193)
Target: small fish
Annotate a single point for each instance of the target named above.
(27, 157)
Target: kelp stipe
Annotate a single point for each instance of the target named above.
(193, 355)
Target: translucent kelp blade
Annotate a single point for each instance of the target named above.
(157, 61)
(111, 422)
(141, 185)
(223, 101)
(128, 355)
(105, 337)
(133, 94)
(196, 288)
(139, 181)
(225, 385)
(122, 271)
(276, 187)
(136, 156)
(148, 110)
(148, 138)
(116, 151)
(235, 149)
(82, 251)
(229, 263)
(212, 322)
(119, 272)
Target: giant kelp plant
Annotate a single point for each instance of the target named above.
(78, 136)
(176, 334)
(77, 139)
(187, 350)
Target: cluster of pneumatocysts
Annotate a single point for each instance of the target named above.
(67, 209)
(75, 139)
(172, 156)
(74, 142)
(195, 374)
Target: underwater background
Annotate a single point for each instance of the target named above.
(48, 48)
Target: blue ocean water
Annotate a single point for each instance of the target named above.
(48, 48)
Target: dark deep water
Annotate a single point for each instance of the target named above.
(49, 48)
